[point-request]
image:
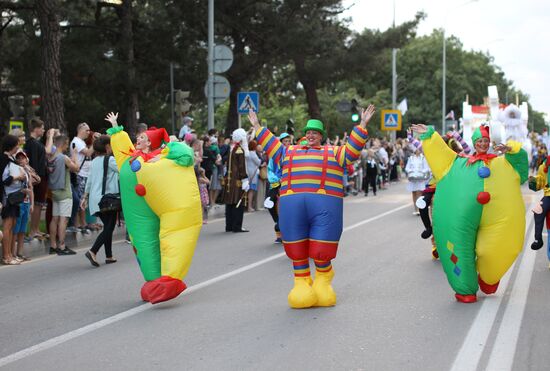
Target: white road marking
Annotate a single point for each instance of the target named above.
(131, 312)
(470, 353)
(504, 349)
(375, 218)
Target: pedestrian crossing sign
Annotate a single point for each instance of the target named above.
(16, 125)
(391, 120)
(248, 100)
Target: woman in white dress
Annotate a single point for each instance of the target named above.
(418, 173)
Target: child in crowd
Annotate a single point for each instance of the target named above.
(25, 208)
(203, 189)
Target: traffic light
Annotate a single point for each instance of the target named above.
(16, 103)
(355, 116)
(36, 100)
(182, 105)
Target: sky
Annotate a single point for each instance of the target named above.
(515, 33)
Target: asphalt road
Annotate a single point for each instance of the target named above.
(395, 309)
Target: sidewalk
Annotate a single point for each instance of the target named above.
(37, 248)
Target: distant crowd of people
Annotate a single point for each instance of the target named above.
(63, 176)
(48, 171)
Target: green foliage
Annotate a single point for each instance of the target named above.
(420, 76)
(282, 49)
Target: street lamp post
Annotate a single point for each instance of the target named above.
(444, 84)
(393, 134)
(210, 64)
(173, 113)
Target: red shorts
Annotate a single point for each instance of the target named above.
(40, 191)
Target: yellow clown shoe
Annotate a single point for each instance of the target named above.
(302, 294)
(326, 297)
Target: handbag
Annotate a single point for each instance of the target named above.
(263, 173)
(16, 198)
(74, 178)
(109, 202)
(418, 176)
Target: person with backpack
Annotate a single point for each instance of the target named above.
(103, 180)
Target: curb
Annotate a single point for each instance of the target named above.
(37, 248)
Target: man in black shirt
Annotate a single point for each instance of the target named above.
(36, 152)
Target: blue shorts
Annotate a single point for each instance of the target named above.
(23, 219)
(311, 225)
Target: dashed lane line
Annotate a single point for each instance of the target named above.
(469, 355)
(48, 344)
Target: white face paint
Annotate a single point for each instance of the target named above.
(482, 145)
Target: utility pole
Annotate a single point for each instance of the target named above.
(210, 64)
(444, 84)
(393, 134)
(173, 113)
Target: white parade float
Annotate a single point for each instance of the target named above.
(506, 122)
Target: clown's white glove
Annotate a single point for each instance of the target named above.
(268, 203)
(421, 202)
(245, 185)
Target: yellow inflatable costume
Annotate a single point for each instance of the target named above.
(478, 212)
(162, 210)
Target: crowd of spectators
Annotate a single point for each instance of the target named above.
(49, 172)
(44, 182)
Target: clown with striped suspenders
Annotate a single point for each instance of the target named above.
(311, 204)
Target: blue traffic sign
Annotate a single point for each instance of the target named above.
(390, 120)
(247, 100)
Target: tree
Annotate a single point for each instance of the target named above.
(314, 40)
(468, 73)
(52, 95)
(245, 27)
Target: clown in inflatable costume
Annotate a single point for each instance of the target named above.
(162, 207)
(540, 212)
(457, 144)
(311, 204)
(478, 213)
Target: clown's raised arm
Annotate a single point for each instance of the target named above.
(352, 150)
(120, 141)
(465, 147)
(272, 145)
(439, 156)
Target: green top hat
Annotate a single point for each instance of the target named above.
(316, 125)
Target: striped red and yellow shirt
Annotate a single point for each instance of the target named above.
(313, 169)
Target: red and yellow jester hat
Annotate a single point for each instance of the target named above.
(157, 137)
(481, 132)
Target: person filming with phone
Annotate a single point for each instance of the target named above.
(59, 181)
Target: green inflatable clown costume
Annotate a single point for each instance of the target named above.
(162, 209)
(478, 212)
